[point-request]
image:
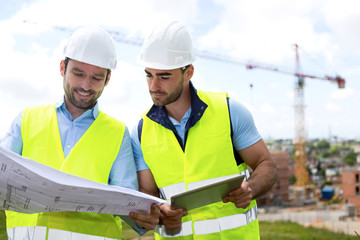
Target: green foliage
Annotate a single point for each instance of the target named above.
(292, 179)
(334, 150)
(323, 145)
(308, 169)
(290, 231)
(2, 225)
(350, 158)
(268, 231)
(323, 172)
(326, 155)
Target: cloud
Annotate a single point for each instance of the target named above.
(135, 16)
(333, 107)
(290, 95)
(258, 30)
(31, 51)
(265, 31)
(345, 93)
(343, 18)
(267, 108)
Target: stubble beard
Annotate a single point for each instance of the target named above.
(173, 97)
(69, 94)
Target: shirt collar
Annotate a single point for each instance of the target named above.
(159, 115)
(93, 111)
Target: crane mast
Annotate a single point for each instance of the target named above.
(301, 173)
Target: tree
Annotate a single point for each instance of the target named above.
(350, 158)
(323, 145)
(292, 179)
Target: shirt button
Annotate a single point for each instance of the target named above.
(68, 146)
(74, 124)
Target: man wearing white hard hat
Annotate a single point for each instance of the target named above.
(190, 138)
(75, 137)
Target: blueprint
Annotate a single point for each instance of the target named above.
(27, 186)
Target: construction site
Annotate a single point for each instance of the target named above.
(297, 190)
(292, 65)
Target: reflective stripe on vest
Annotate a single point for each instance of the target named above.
(91, 158)
(210, 225)
(184, 230)
(39, 233)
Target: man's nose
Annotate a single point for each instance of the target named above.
(155, 83)
(86, 83)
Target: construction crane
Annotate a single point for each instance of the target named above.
(301, 173)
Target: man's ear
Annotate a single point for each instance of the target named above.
(108, 78)
(62, 68)
(189, 72)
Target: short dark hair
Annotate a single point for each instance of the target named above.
(183, 69)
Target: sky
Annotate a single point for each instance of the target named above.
(261, 32)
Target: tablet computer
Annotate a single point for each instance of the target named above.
(207, 194)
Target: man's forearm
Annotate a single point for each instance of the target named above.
(263, 178)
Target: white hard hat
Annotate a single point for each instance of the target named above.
(92, 45)
(168, 46)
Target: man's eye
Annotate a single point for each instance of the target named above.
(165, 78)
(79, 74)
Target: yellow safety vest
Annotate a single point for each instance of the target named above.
(92, 158)
(208, 157)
